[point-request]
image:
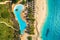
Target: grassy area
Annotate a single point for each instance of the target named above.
(6, 33)
(3, 0)
(5, 14)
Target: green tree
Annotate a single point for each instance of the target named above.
(31, 17)
(14, 1)
(0, 0)
(30, 10)
(23, 1)
(30, 29)
(29, 37)
(5, 15)
(30, 0)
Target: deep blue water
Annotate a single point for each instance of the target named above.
(17, 13)
(51, 28)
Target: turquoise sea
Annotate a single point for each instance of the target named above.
(51, 28)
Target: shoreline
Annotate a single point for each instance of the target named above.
(40, 15)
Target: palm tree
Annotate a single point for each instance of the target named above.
(23, 1)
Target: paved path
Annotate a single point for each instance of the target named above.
(5, 2)
(9, 25)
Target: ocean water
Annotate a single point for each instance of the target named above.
(51, 28)
(22, 23)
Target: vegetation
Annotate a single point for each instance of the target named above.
(2, 0)
(29, 37)
(30, 0)
(16, 26)
(30, 10)
(5, 15)
(30, 28)
(23, 2)
(31, 17)
(15, 1)
(19, 32)
(6, 33)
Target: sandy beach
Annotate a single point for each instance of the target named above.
(40, 15)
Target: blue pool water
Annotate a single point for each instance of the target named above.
(17, 11)
(51, 28)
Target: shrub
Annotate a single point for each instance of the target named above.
(30, 10)
(0, 0)
(29, 37)
(30, 0)
(14, 1)
(5, 15)
(30, 29)
(23, 1)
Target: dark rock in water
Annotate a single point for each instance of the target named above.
(47, 32)
(16, 9)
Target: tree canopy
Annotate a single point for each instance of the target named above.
(29, 37)
(5, 15)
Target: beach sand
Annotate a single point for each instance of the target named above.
(13, 5)
(23, 16)
(40, 16)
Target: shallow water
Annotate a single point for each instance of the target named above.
(17, 11)
(51, 28)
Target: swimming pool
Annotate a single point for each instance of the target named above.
(17, 11)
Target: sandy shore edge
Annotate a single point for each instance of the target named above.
(40, 16)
